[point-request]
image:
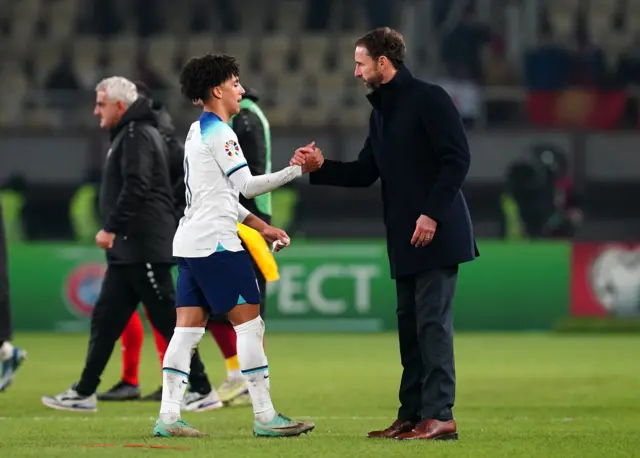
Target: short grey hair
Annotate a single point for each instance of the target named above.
(119, 88)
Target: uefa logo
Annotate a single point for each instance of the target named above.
(82, 288)
(614, 277)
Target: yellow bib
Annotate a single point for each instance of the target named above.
(259, 251)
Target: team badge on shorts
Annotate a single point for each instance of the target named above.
(231, 148)
(82, 288)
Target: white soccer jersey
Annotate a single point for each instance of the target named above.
(211, 155)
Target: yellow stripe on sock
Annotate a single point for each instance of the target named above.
(232, 363)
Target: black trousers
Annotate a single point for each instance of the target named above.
(5, 304)
(123, 288)
(425, 330)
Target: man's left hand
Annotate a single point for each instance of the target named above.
(425, 230)
(105, 239)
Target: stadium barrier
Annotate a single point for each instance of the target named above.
(323, 286)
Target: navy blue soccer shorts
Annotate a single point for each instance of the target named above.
(218, 282)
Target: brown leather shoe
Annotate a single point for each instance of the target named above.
(433, 430)
(398, 427)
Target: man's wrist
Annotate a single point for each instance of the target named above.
(319, 167)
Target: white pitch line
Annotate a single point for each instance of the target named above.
(97, 417)
(78, 418)
(461, 420)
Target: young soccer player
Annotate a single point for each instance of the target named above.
(215, 274)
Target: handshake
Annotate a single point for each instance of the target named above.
(308, 157)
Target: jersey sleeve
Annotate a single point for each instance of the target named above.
(227, 151)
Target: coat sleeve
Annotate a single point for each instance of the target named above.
(136, 164)
(442, 123)
(176, 159)
(360, 173)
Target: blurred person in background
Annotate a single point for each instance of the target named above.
(12, 199)
(133, 336)
(589, 66)
(202, 396)
(10, 357)
(136, 205)
(547, 66)
(567, 215)
(524, 203)
(540, 199)
(499, 72)
(83, 208)
(461, 49)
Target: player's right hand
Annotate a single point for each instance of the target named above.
(278, 245)
(277, 237)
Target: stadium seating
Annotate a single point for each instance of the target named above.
(304, 76)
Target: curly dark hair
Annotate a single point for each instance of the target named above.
(384, 41)
(201, 74)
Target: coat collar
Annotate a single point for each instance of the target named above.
(386, 93)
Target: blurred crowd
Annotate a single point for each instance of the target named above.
(474, 55)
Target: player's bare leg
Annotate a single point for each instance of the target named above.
(190, 325)
(253, 362)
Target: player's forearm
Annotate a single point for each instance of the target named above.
(255, 223)
(250, 186)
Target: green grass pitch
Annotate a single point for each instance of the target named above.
(533, 395)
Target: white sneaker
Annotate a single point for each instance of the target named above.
(196, 402)
(71, 400)
(231, 388)
(242, 400)
(9, 367)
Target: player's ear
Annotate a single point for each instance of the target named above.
(217, 92)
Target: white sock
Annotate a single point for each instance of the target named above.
(6, 351)
(175, 371)
(234, 374)
(253, 363)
